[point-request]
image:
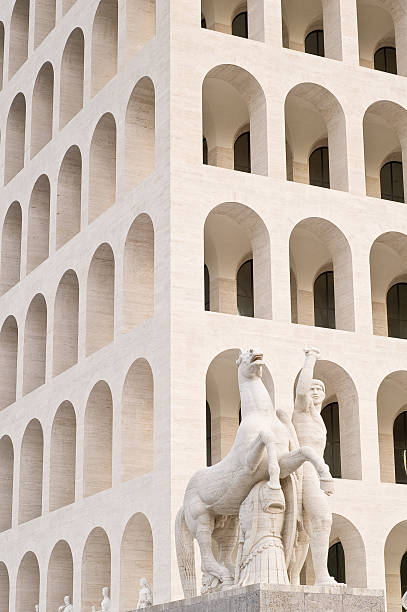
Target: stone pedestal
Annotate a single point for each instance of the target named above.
(277, 598)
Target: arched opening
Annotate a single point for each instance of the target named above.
(28, 583)
(97, 465)
(314, 43)
(316, 138)
(18, 51)
(66, 313)
(42, 109)
(136, 560)
(303, 24)
(376, 35)
(140, 21)
(63, 458)
(72, 66)
(8, 361)
(385, 140)
(31, 458)
(68, 220)
(317, 246)
(138, 280)
(6, 487)
(394, 559)
(223, 397)
(4, 588)
(240, 25)
(104, 45)
(100, 300)
(35, 336)
(45, 15)
(388, 273)
(11, 248)
(102, 173)
(391, 420)
(324, 300)
(347, 555)
(38, 224)
(96, 568)
(239, 268)
(138, 421)
(243, 19)
(233, 104)
(241, 153)
(332, 454)
(140, 133)
(60, 575)
(336, 562)
(15, 138)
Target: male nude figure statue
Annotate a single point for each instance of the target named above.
(317, 516)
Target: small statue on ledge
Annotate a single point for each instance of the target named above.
(145, 598)
(67, 607)
(106, 602)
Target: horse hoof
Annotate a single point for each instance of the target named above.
(275, 500)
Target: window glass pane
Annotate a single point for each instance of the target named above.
(203, 22)
(319, 167)
(205, 151)
(336, 562)
(332, 454)
(397, 311)
(207, 288)
(314, 43)
(240, 25)
(403, 574)
(391, 182)
(245, 301)
(208, 435)
(385, 59)
(324, 300)
(400, 448)
(242, 153)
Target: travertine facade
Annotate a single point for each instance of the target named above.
(107, 218)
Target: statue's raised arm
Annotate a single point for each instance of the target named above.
(302, 393)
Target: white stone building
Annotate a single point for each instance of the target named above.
(108, 216)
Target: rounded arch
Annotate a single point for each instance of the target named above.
(140, 133)
(38, 223)
(138, 421)
(60, 575)
(31, 467)
(11, 248)
(28, 583)
(140, 22)
(4, 588)
(391, 401)
(42, 109)
(72, 73)
(233, 98)
(68, 219)
(8, 361)
(315, 118)
(15, 138)
(385, 140)
(35, 344)
(66, 314)
(136, 559)
(223, 259)
(100, 299)
(104, 44)
(317, 245)
(138, 271)
(223, 397)
(96, 567)
(63, 458)
(102, 167)
(19, 26)
(394, 550)
(97, 463)
(344, 531)
(6, 484)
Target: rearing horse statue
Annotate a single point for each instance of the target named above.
(265, 448)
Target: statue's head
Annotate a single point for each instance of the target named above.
(317, 392)
(105, 591)
(67, 600)
(143, 582)
(250, 364)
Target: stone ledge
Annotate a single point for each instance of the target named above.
(278, 598)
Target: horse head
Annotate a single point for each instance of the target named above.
(250, 365)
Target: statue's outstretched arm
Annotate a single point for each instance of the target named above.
(305, 379)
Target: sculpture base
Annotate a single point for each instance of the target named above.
(278, 598)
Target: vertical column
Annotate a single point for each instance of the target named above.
(400, 28)
(355, 148)
(361, 288)
(349, 30)
(273, 27)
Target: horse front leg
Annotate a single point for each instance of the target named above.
(265, 441)
(290, 462)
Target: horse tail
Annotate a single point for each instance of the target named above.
(184, 544)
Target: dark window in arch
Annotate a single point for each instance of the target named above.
(319, 168)
(336, 562)
(397, 311)
(391, 181)
(207, 288)
(324, 300)
(400, 448)
(240, 414)
(203, 22)
(208, 435)
(403, 574)
(205, 151)
(245, 294)
(314, 43)
(385, 60)
(332, 454)
(240, 25)
(241, 149)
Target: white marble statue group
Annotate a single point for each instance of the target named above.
(268, 495)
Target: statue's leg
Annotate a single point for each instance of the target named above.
(263, 441)
(301, 552)
(209, 565)
(290, 462)
(226, 538)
